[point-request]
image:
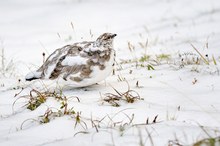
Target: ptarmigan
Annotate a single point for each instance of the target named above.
(80, 64)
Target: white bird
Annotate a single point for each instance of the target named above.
(80, 64)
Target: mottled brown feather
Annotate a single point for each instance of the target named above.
(95, 58)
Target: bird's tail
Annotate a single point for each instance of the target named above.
(33, 76)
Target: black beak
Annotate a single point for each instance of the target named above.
(114, 35)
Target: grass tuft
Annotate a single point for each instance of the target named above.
(129, 96)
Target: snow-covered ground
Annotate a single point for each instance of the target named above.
(180, 103)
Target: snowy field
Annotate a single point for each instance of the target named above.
(166, 79)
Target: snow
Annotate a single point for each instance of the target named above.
(185, 98)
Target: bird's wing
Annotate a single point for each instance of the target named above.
(60, 58)
(69, 64)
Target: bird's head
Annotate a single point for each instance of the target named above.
(106, 39)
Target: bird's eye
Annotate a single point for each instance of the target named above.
(108, 37)
(206, 55)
